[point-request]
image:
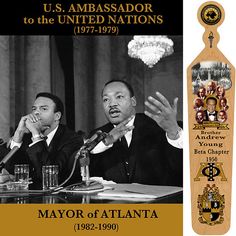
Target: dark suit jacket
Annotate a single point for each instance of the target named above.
(64, 143)
(3, 151)
(152, 160)
(206, 117)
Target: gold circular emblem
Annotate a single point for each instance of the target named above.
(211, 14)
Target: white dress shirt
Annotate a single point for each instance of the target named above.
(211, 117)
(101, 147)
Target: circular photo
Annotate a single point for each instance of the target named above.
(201, 93)
(225, 83)
(223, 104)
(211, 88)
(222, 116)
(198, 104)
(200, 117)
(220, 92)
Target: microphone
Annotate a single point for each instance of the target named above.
(83, 154)
(7, 157)
(91, 143)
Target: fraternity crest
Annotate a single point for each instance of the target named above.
(210, 170)
(211, 14)
(211, 205)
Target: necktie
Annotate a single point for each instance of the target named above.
(124, 142)
(45, 139)
(212, 114)
(125, 155)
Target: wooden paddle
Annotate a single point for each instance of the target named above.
(211, 81)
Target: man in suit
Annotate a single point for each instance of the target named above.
(223, 104)
(220, 92)
(210, 112)
(200, 117)
(222, 116)
(43, 140)
(3, 149)
(211, 88)
(202, 93)
(139, 147)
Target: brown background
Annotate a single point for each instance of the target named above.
(23, 220)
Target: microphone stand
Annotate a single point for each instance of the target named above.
(86, 184)
(7, 157)
(84, 160)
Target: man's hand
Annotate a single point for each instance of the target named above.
(21, 130)
(27, 124)
(119, 131)
(33, 124)
(164, 114)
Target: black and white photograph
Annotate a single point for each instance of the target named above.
(92, 119)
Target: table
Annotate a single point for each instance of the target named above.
(40, 197)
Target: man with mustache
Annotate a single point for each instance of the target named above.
(140, 148)
(43, 140)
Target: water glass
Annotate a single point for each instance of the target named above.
(21, 172)
(50, 176)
